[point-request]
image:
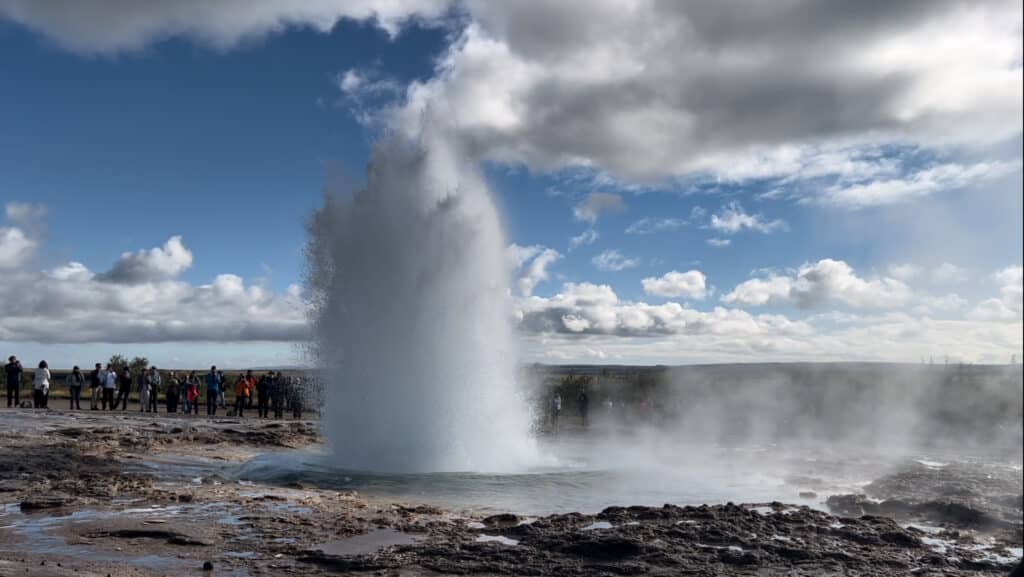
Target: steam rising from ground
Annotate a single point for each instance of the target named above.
(413, 318)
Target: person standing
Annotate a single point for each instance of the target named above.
(278, 390)
(222, 392)
(171, 393)
(143, 386)
(295, 397)
(41, 385)
(109, 386)
(241, 395)
(556, 410)
(153, 382)
(263, 388)
(95, 386)
(14, 372)
(124, 388)
(76, 380)
(192, 393)
(213, 382)
(584, 406)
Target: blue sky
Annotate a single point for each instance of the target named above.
(851, 209)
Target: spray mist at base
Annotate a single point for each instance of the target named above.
(413, 319)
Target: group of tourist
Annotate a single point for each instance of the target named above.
(110, 388)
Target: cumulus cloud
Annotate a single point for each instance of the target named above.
(613, 260)
(589, 309)
(155, 264)
(533, 263)
(820, 282)
(18, 243)
(595, 204)
(649, 90)
(70, 304)
(718, 242)
(690, 284)
(107, 26)
(1008, 306)
(584, 238)
(732, 219)
(15, 247)
(590, 84)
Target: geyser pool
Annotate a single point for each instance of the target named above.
(413, 317)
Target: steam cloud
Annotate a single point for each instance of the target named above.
(412, 318)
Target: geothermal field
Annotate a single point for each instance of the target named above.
(573, 288)
(433, 451)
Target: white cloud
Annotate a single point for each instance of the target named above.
(588, 309)
(904, 272)
(534, 262)
(718, 242)
(732, 219)
(24, 213)
(947, 273)
(159, 263)
(690, 284)
(661, 89)
(653, 225)
(921, 183)
(70, 304)
(18, 243)
(106, 26)
(596, 204)
(1010, 303)
(820, 282)
(612, 260)
(15, 247)
(586, 237)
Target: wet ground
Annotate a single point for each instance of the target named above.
(91, 494)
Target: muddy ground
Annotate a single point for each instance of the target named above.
(111, 494)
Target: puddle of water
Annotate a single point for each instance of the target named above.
(597, 525)
(367, 543)
(497, 539)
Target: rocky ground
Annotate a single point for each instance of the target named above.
(90, 494)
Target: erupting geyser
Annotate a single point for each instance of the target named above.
(413, 318)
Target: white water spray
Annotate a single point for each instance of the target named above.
(413, 318)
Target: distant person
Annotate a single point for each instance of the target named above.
(76, 380)
(124, 388)
(41, 386)
(172, 392)
(263, 389)
(278, 392)
(109, 386)
(14, 372)
(584, 406)
(213, 390)
(556, 410)
(95, 386)
(241, 395)
(153, 382)
(296, 397)
(192, 393)
(252, 388)
(221, 394)
(143, 388)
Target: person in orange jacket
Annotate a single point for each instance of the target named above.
(243, 388)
